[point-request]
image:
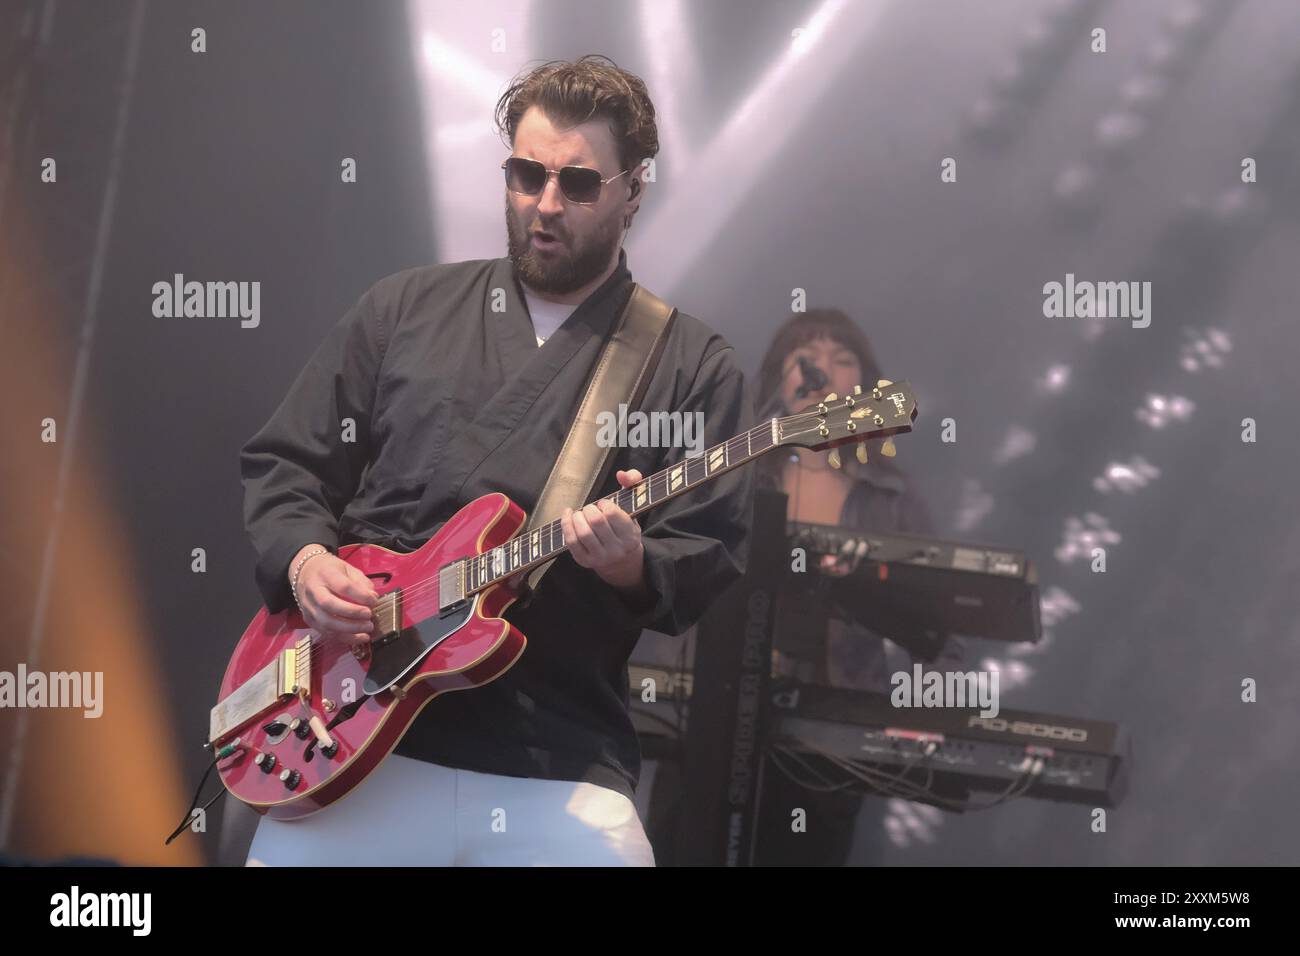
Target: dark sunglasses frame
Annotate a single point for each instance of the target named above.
(589, 179)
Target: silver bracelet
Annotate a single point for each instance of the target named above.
(293, 586)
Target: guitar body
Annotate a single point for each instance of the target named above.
(431, 655)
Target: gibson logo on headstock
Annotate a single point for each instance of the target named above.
(897, 398)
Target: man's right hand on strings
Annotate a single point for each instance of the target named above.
(336, 598)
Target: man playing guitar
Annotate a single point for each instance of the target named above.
(449, 382)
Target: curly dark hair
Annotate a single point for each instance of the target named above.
(803, 327)
(590, 87)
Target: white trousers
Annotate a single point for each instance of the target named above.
(414, 813)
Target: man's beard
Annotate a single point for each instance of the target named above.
(576, 264)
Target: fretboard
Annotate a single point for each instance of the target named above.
(547, 541)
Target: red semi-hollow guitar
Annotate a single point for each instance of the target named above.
(303, 717)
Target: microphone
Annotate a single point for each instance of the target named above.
(813, 377)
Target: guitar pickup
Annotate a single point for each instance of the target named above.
(388, 619)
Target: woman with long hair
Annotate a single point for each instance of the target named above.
(814, 353)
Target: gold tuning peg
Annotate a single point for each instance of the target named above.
(887, 448)
(857, 389)
(834, 458)
(884, 383)
(862, 452)
(830, 398)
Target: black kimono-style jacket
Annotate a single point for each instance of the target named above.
(450, 398)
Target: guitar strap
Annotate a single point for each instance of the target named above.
(622, 374)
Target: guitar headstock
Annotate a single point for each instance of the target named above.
(887, 409)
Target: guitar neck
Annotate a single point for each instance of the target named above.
(547, 541)
(827, 424)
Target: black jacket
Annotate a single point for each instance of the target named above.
(448, 396)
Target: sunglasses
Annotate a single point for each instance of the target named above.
(578, 183)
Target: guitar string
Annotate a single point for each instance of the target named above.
(427, 584)
(388, 601)
(419, 588)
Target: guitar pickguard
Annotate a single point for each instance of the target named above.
(396, 657)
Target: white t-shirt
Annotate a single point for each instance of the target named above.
(546, 316)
